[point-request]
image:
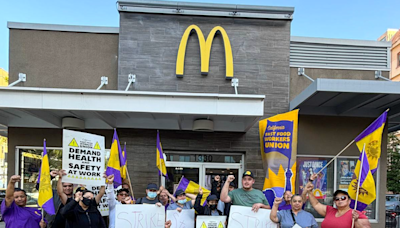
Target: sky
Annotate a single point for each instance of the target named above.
(343, 19)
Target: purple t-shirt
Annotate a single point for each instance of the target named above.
(15, 216)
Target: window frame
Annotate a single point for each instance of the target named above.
(335, 176)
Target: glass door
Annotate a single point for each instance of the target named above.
(177, 170)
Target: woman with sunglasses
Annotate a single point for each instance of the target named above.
(340, 217)
(295, 217)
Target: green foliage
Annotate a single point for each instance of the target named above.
(393, 167)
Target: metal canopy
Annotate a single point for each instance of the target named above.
(353, 98)
(108, 109)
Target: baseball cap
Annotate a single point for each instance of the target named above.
(152, 186)
(123, 190)
(80, 189)
(179, 192)
(248, 173)
(212, 197)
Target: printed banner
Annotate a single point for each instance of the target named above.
(244, 217)
(183, 219)
(83, 158)
(139, 215)
(103, 205)
(346, 171)
(210, 221)
(306, 169)
(278, 142)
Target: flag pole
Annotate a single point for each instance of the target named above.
(348, 145)
(358, 182)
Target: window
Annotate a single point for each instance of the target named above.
(30, 159)
(398, 59)
(337, 175)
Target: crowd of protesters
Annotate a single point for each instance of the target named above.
(80, 208)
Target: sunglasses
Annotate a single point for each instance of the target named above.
(341, 198)
(121, 194)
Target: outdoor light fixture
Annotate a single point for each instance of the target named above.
(73, 123)
(21, 78)
(203, 125)
(235, 84)
(301, 72)
(104, 81)
(131, 79)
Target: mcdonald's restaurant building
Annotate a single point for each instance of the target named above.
(203, 75)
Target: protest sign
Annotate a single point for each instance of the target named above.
(139, 215)
(244, 217)
(103, 204)
(308, 168)
(183, 219)
(83, 158)
(210, 221)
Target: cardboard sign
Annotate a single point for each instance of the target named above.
(83, 158)
(210, 221)
(103, 205)
(139, 215)
(183, 219)
(243, 217)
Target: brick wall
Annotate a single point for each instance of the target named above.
(148, 46)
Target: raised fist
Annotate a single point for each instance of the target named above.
(277, 200)
(15, 178)
(78, 196)
(110, 179)
(54, 173)
(200, 191)
(217, 178)
(230, 178)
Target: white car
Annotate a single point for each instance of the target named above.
(393, 203)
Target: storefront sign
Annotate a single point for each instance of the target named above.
(244, 217)
(183, 219)
(139, 215)
(278, 142)
(83, 158)
(205, 50)
(308, 168)
(210, 221)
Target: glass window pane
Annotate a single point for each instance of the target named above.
(324, 185)
(345, 167)
(209, 158)
(175, 174)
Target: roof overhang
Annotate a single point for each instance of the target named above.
(353, 98)
(108, 109)
(206, 9)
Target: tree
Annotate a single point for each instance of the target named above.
(393, 171)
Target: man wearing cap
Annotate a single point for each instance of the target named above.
(122, 198)
(225, 207)
(210, 208)
(151, 196)
(181, 201)
(246, 196)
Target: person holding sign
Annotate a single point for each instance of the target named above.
(82, 211)
(294, 217)
(246, 196)
(181, 201)
(151, 198)
(165, 197)
(14, 210)
(210, 208)
(122, 198)
(340, 217)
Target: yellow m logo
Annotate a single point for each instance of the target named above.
(205, 50)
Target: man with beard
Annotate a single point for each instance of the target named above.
(246, 196)
(122, 198)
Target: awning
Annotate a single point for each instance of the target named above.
(108, 109)
(355, 98)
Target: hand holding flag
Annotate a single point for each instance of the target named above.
(45, 199)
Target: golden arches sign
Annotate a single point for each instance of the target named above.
(205, 50)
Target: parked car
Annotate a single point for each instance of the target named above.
(392, 203)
